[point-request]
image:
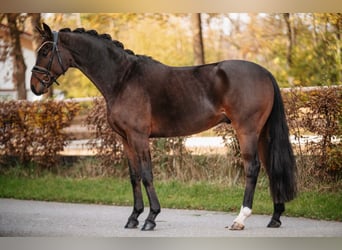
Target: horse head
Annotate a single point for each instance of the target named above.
(51, 62)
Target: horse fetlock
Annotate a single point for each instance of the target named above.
(155, 211)
(239, 222)
(137, 212)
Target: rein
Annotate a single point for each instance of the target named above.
(49, 78)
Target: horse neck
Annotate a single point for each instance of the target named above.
(105, 66)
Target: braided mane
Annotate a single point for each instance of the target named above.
(94, 33)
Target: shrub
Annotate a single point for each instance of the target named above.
(107, 144)
(33, 131)
(319, 114)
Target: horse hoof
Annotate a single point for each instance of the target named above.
(274, 223)
(132, 223)
(148, 226)
(236, 226)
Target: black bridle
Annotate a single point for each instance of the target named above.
(49, 78)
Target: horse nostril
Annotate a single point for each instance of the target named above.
(35, 90)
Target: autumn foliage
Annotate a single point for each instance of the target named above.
(317, 113)
(106, 142)
(33, 131)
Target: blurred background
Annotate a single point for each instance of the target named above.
(300, 49)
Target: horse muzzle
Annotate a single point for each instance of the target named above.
(37, 87)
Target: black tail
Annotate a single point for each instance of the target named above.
(281, 163)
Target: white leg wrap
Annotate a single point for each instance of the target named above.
(244, 213)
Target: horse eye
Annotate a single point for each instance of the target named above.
(45, 51)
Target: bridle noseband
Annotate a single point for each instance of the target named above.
(49, 78)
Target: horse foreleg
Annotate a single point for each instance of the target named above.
(147, 178)
(141, 169)
(138, 207)
(135, 177)
(248, 146)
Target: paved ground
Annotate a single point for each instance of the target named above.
(35, 218)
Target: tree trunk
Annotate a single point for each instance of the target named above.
(197, 39)
(291, 38)
(19, 66)
(35, 22)
(338, 54)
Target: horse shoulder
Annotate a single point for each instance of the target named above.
(130, 109)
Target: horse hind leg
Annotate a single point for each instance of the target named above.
(248, 147)
(278, 208)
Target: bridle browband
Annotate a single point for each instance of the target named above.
(46, 71)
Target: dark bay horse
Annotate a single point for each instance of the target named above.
(146, 98)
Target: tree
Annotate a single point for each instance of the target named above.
(316, 53)
(35, 22)
(15, 25)
(197, 39)
(291, 37)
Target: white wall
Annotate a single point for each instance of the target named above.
(6, 85)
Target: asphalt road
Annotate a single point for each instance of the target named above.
(36, 218)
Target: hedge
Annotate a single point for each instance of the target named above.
(32, 131)
(317, 112)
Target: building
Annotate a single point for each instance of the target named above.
(7, 89)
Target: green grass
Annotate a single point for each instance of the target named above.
(172, 194)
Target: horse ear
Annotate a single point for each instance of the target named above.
(46, 33)
(40, 31)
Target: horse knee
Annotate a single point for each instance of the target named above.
(135, 180)
(147, 177)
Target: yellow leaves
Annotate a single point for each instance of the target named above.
(317, 113)
(32, 131)
(107, 143)
(297, 82)
(309, 57)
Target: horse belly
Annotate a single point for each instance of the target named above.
(173, 124)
